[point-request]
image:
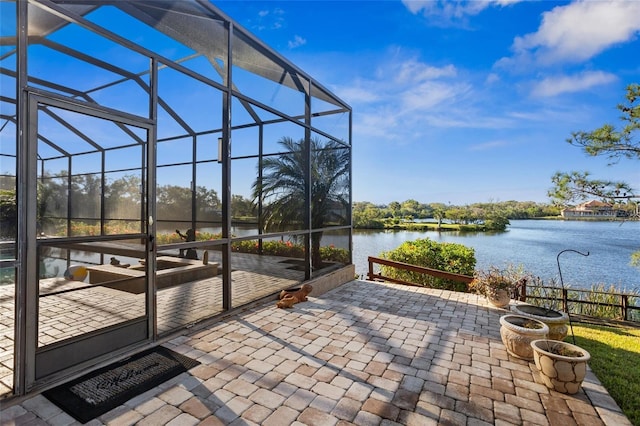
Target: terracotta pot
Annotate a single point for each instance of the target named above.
(562, 365)
(499, 298)
(556, 320)
(518, 332)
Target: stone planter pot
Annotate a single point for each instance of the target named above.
(562, 365)
(518, 332)
(556, 320)
(499, 298)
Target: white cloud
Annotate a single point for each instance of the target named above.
(452, 9)
(430, 94)
(407, 99)
(553, 86)
(413, 85)
(577, 32)
(462, 117)
(414, 71)
(296, 42)
(406, 84)
(357, 94)
(268, 20)
(492, 78)
(486, 146)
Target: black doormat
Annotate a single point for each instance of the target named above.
(94, 394)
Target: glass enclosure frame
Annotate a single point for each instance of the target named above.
(248, 160)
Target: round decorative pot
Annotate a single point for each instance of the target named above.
(556, 320)
(518, 332)
(499, 298)
(562, 365)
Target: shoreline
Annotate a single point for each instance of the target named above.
(433, 226)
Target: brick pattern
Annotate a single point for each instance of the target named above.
(366, 354)
(73, 313)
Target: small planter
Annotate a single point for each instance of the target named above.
(518, 332)
(556, 320)
(562, 365)
(496, 284)
(499, 298)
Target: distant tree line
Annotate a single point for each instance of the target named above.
(495, 215)
(81, 199)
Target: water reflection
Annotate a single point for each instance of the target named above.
(535, 245)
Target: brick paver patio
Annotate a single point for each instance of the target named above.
(68, 314)
(366, 354)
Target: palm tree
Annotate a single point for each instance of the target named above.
(284, 183)
(439, 214)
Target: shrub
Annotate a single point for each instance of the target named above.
(448, 257)
(270, 247)
(496, 222)
(333, 254)
(8, 213)
(172, 237)
(289, 249)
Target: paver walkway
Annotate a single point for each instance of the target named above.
(365, 353)
(69, 314)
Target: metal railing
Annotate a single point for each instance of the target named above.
(413, 268)
(566, 297)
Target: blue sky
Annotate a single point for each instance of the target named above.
(466, 101)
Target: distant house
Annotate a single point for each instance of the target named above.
(593, 208)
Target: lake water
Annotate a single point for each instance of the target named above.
(534, 244)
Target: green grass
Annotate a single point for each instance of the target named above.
(615, 360)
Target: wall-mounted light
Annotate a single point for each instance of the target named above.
(220, 150)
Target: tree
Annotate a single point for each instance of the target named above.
(577, 186)
(395, 207)
(367, 215)
(609, 142)
(208, 205)
(51, 205)
(86, 190)
(604, 141)
(410, 208)
(173, 202)
(241, 207)
(284, 183)
(495, 221)
(123, 197)
(612, 143)
(460, 215)
(439, 214)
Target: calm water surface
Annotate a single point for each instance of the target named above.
(534, 244)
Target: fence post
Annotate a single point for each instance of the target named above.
(624, 304)
(370, 269)
(565, 302)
